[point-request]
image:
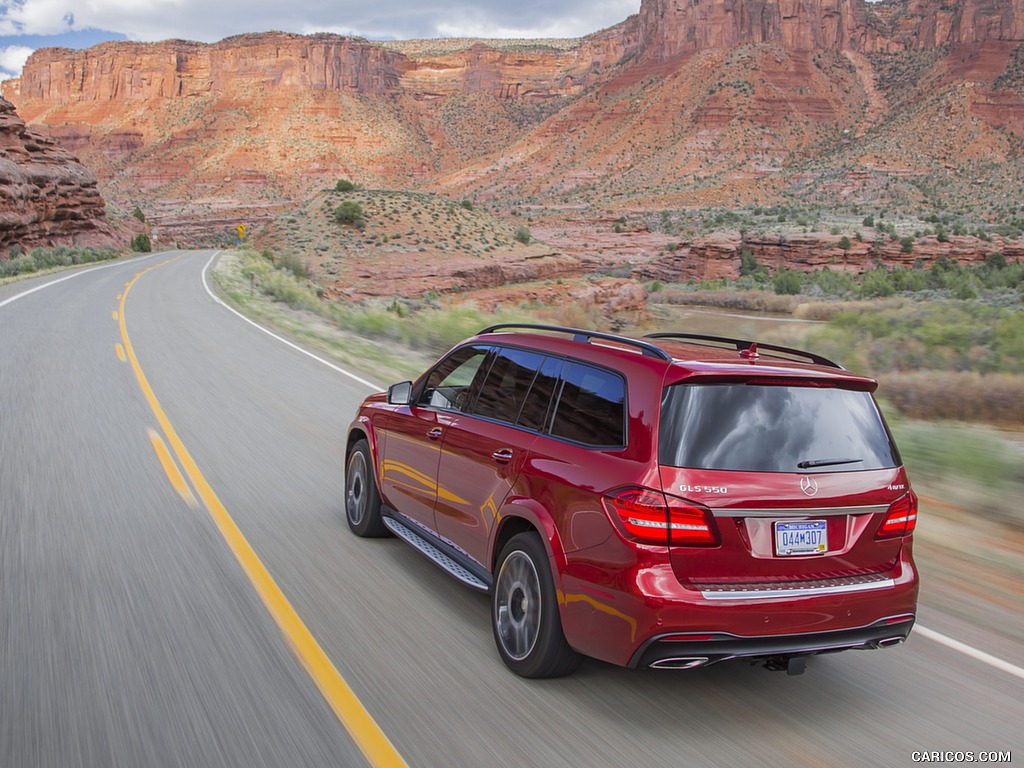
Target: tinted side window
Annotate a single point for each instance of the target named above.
(534, 413)
(504, 390)
(591, 408)
(448, 385)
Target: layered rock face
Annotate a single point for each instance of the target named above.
(47, 198)
(689, 103)
(669, 28)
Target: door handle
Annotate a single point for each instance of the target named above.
(435, 433)
(504, 456)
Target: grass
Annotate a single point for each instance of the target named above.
(970, 466)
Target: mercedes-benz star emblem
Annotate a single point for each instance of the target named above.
(808, 485)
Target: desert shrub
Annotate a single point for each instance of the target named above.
(523, 235)
(289, 262)
(142, 243)
(19, 265)
(876, 283)
(844, 243)
(787, 282)
(350, 213)
(284, 287)
(138, 214)
(933, 336)
(956, 396)
(833, 283)
(345, 185)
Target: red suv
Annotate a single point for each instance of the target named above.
(669, 502)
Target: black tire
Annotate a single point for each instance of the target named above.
(524, 612)
(362, 499)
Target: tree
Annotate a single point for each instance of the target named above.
(844, 243)
(350, 213)
(138, 214)
(141, 243)
(787, 282)
(345, 185)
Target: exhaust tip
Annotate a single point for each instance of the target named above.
(684, 662)
(889, 642)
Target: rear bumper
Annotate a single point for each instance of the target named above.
(676, 651)
(642, 614)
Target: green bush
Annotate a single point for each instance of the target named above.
(787, 282)
(289, 262)
(749, 266)
(876, 283)
(350, 213)
(523, 234)
(138, 214)
(142, 243)
(344, 185)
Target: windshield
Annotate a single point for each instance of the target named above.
(772, 428)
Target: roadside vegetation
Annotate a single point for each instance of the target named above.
(947, 342)
(40, 259)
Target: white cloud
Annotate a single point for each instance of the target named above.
(12, 59)
(204, 21)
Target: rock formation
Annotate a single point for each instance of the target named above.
(47, 198)
(686, 104)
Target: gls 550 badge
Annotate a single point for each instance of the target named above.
(703, 489)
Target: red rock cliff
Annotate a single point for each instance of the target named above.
(47, 197)
(669, 28)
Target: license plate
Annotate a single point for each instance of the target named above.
(804, 537)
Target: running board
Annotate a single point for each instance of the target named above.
(440, 558)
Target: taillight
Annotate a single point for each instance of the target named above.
(651, 517)
(900, 518)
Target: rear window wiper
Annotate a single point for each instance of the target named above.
(826, 462)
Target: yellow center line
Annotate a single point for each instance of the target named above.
(173, 473)
(120, 352)
(349, 710)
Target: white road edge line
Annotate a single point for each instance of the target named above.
(17, 296)
(931, 634)
(974, 653)
(332, 366)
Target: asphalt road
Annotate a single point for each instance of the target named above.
(132, 634)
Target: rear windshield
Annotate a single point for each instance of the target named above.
(771, 428)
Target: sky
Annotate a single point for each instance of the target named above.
(26, 25)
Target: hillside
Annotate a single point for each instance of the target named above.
(408, 245)
(914, 106)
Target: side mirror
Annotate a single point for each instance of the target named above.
(400, 394)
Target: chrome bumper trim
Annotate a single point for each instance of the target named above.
(766, 594)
